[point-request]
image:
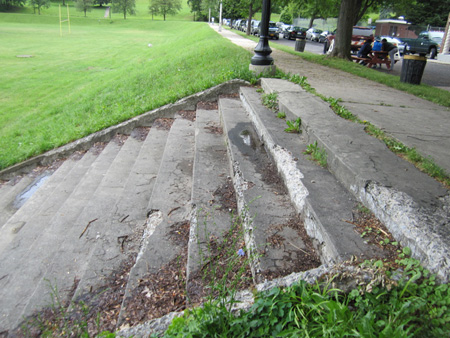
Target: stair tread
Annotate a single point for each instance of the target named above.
(169, 210)
(275, 239)
(212, 215)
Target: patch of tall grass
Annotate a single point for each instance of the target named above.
(101, 74)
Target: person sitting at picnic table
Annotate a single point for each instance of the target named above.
(391, 49)
(377, 48)
(365, 50)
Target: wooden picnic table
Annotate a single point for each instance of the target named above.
(375, 58)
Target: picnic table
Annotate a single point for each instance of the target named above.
(375, 58)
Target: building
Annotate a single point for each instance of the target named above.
(394, 27)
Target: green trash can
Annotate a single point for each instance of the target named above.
(300, 45)
(412, 69)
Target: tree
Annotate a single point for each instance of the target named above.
(196, 6)
(166, 7)
(124, 6)
(350, 12)
(428, 12)
(83, 6)
(38, 4)
(8, 4)
(343, 38)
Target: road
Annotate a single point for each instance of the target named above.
(436, 73)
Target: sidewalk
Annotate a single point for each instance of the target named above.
(413, 121)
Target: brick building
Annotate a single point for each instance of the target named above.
(395, 28)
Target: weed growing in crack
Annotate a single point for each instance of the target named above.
(317, 153)
(63, 319)
(281, 115)
(270, 100)
(224, 260)
(294, 126)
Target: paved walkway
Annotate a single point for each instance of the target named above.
(413, 121)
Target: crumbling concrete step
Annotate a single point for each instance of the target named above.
(413, 206)
(40, 199)
(325, 205)
(169, 211)
(129, 215)
(91, 230)
(28, 261)
(264, 205)
(212, 214)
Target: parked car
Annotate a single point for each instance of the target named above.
(313, 34)
(323, 36)
(426, 43)
(295, 32)
(243, 26)
(255, 27)
(274, 32)
(237, 23)
(359, 35)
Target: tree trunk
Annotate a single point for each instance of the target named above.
(249, 22)
(343, 39)
(311, 21)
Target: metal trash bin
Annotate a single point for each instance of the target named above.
(412, 69)
(300, 45)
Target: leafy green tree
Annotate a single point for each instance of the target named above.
(84, 6)
(428, 12)
(196, 7)
(124, 6)
(38, 4)
(166, 7)
(101, 2)
(153, 9)
(9, 4)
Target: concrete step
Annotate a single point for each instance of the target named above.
(413, 206)
(169, 212)
(269, 217)
(37, 202)
(9, 191)
(212, 197)
(91, 230)
(322, 201)
(27, 261)
(128, 216)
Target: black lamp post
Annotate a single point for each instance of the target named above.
(262, 50)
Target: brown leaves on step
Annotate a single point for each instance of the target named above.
(207, 105)
(295, 258)
(188, 114)
(97, 311)
(374, 232)
(163, 123)
(225, 196)
(159, 293)
(140, 133)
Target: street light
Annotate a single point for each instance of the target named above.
(220, 17)
(262, 61)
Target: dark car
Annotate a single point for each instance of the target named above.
(295, 32)
(273, 30)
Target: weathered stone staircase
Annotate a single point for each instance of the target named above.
(137, 205)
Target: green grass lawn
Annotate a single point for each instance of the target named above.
(103, 73)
